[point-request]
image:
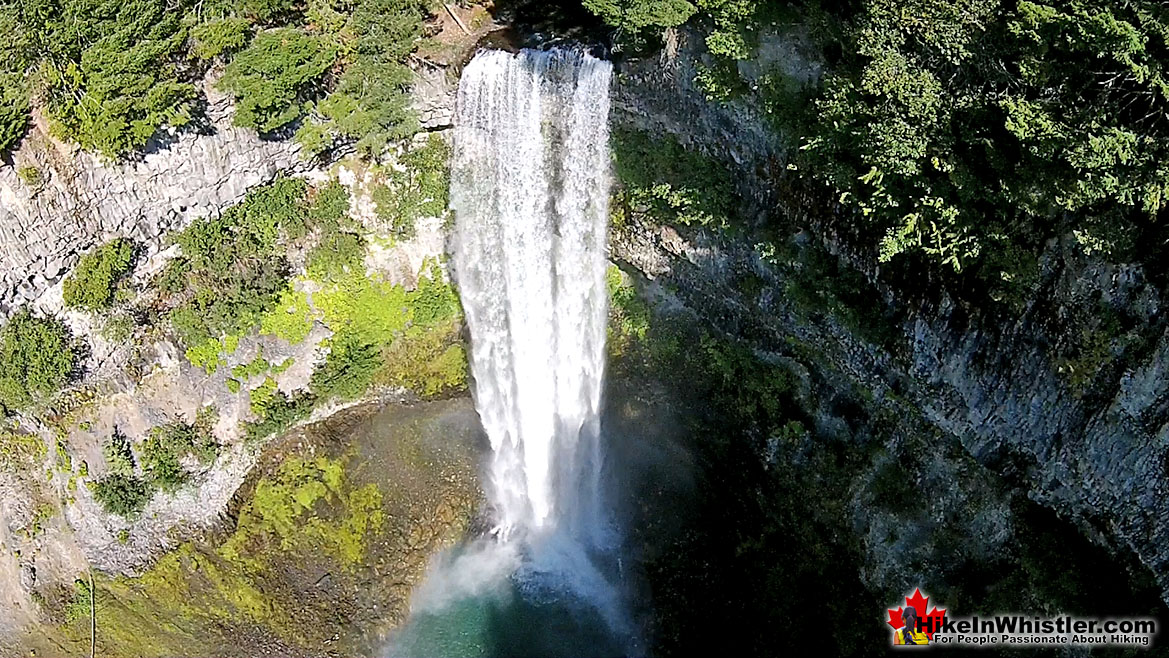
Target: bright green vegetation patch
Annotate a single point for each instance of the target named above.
(93, 284)
(257, 366)
(38, 360)
(290, 319)
(209, 354)
(675, 184)
(281, 514)
(382, 328)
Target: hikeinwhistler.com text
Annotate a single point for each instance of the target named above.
(1022, 630)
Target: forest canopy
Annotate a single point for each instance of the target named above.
(964, 130)
(110, 74)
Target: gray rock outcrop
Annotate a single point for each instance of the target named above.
(83, 200)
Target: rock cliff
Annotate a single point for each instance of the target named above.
(1064, 396)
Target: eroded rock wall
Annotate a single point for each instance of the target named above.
(1093, 446)
(82, 200)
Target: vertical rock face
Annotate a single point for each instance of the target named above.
(83, 200)
(1074, 412)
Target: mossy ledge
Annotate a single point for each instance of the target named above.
(317, 553)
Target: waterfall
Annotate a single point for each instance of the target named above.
(530, 191)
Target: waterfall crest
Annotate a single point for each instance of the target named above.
(530, 191)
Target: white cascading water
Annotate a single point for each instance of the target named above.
(530, 191)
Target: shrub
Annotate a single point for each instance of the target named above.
(93, 283)
(38, 360)
(635, 16)
(218, 37)
(273, 75)
(349, 368)
(371, 103)
(31, 176)
(280, 412)
(118, 454)
(433, 300)
(429, 362)
(329, 208)
(124, 495)
(421, 190)
(232, 270)
(290, 319)
(166, 446)
(109, 70)
(334, 254)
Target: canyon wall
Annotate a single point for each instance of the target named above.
(1046, 396)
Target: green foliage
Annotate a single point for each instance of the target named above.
(273, 75)
(118, 454)
(635, 16)
(79, 604)
(13, 110)
(254, 368)
(421, 189)
(208, 354)
(382, 333)
(31, 176)
(371, 101)
(433, 300)
(365, 305)
(720, 82)
(124, 495)
(329, 207)
(265, 10)
(108, 69)
(336, 253)
(118, 328)
(630, 316)
(38, 360)
(222, 36)
(430, 363)
(233, 269)
(167, 445)
(349, 368)
(671, 182)
(283, 512)
(15, 58)
(969, 125)
(279, 413)
(93, 283)
(290, 318)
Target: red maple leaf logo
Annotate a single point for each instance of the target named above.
(919, 603)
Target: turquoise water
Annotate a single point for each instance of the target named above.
(507, 618)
